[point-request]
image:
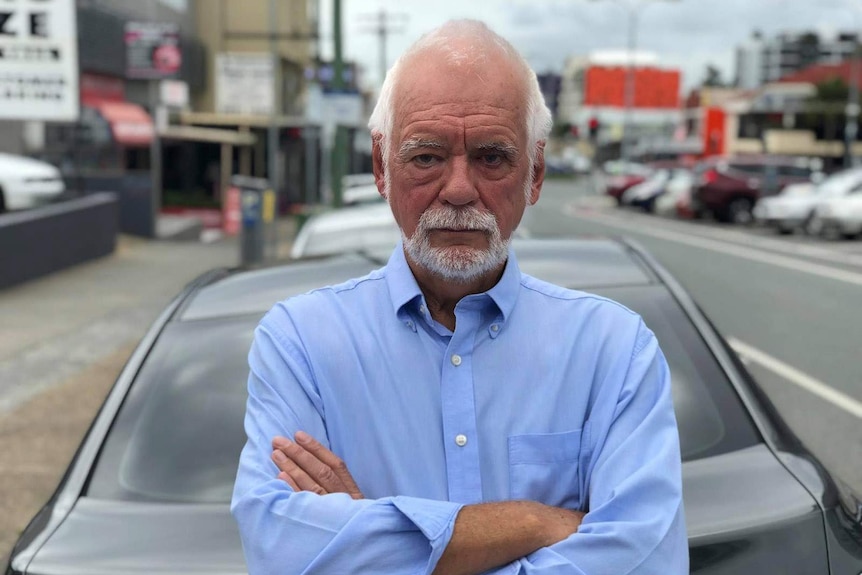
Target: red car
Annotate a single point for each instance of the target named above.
(728, 188)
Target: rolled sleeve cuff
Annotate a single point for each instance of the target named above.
(435, 519)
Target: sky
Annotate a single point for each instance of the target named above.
(685, 34)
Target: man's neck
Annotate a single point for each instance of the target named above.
(442, 295)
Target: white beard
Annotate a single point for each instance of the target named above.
(459, 264)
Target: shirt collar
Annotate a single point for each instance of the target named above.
(403, 288)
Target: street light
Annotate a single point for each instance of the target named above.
(632, 9)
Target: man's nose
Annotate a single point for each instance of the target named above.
(459, 189)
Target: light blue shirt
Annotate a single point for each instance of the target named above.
(540, 393)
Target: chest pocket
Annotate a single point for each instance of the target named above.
(544, 467)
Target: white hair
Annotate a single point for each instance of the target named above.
(480, 42)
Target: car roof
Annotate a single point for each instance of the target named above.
(582, 264)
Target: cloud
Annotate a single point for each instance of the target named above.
(686, 33)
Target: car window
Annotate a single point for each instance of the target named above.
(794, 172)
(747, 169)
(180, 431)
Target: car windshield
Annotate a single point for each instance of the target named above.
(179, 433)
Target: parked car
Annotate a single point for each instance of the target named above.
(148, 490)
(354, 228)
(27, 183)
(354, 180)
(676, 200)
(361, 194)
(644, 194)
(788, 210)
(729, 188)
(620, 176)
(838, 216)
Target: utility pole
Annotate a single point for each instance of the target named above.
(272, 130)
(851, 127)
(385, 23)
(632, 9)
(340, 144)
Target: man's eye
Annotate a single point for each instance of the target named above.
(424, 159)
(492, 159)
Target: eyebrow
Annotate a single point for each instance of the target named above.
(417, 144)
(508, 150)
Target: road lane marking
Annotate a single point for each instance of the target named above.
(736, 236)
(748, 253)
(793, 375)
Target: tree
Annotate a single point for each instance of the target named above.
(713, 77)
(832, 90)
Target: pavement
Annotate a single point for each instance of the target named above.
(64, 340)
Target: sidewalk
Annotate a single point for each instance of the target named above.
(63, 341)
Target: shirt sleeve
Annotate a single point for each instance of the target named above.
(635, 522)
(293, 533)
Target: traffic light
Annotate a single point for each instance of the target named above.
(594, 127)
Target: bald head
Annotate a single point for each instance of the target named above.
(471, 48)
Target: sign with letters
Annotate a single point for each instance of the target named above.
(244, 83)
(152, 50)
(38, 60)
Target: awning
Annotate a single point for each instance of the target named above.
(131, 125)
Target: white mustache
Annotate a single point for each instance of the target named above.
(462, 219)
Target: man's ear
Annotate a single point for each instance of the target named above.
(377, 162)
(538, 175)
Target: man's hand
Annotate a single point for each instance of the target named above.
(306, 465)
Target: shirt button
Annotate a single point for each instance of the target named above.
(495, 327)
(456, 361)
(421, 309)
(460, 440)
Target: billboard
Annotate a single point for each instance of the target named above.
(152, 50)
(654, 88)
(244, 83)
(38, 60)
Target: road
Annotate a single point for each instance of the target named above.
(791, 307)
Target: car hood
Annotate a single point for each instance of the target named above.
(123, 538)
(744, 511)
(23, 167)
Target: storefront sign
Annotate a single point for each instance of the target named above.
(38, 60)
(244, 83)
(152, 50)
(174, 93)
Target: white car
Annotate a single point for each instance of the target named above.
(677, 191)
(797, 204)
(355, 228)
(361, 194)
(368, 228)
(27, 183)
(841, 216)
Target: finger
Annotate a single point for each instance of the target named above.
(301, 480)
(335, 463)
(284, 476)
(316, 470)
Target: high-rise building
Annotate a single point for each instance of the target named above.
(749, 63)
(762, 60)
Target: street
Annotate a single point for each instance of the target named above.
(789, 306)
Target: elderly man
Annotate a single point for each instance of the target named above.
(448, 414)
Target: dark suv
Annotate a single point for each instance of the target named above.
(728, 188)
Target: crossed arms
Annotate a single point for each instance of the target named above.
(486, 535)
(306, 514)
